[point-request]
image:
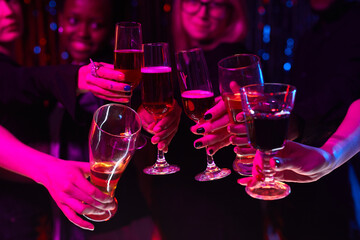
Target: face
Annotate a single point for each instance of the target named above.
(320, 5)
(11, 20)
(204, 20)
(87, 27)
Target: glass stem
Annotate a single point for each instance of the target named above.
(161, 161)
(268, 171)
(210, 162)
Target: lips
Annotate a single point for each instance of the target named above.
(81, 46)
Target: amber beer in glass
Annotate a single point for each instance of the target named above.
(128, 51)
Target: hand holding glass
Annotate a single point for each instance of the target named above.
(112, 143)
(267, 111)
(198, 97)
(234, 72)
(157, 95)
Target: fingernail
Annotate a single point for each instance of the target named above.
(127, 88)
(200, 130)
(211, 151)
(277, 163)
(260, 178)
(155, 140)
(208, 116)
(198, 144)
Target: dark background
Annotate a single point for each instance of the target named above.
(274, 28)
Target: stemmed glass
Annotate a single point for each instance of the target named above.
(198, 97)
(234, 72)
(267, 110)
(112, 143)
(157, 95)
(128, 57)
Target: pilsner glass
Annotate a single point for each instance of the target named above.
(197, 97)
(112, 143)
(234, 72)
(157, 95)
(267, 111)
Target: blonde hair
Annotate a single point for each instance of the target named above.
(235, 31)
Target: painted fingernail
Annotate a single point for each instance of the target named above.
(211, 151)
(208, 116)
(127, 88)
(198, 144)
(277, 163)
(200, 130)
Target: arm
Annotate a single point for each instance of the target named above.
(65, 180)
(301, 163)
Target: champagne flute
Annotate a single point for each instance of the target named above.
(157, 95)
(128, 51)
(128, 58)
(267, 111)
(234, 72)
(198, 97)
(112, 143)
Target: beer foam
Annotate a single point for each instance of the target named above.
(157, 69)
(197, 94)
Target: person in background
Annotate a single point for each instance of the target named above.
(26, 97)
(215, 209)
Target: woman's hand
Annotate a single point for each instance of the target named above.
(163, 130)
(295, 163)
(214, 129)
(73, 193)
(107, 84)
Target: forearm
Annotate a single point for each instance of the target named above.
(22, 159)
(345, 142)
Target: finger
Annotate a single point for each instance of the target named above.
(210, 126)
(75, 219)
(216, 111)
(163, 145)
(212, 139)
(239, 141)
(244, 181)
(240, 117)
(110, 73)
(237, 129)
(246, 150)
(108, 85)
(211, 150)
(88, 192)
(235, 87)
(114, 99)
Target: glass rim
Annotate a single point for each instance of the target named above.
(236, 56)
(118, 105)
(290, 87)
(129, 24)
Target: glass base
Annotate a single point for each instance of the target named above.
(209, 175)
(161, 169)
(242, 169)
(269, 191)
(103, 217)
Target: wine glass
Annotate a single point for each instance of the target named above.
(157, 95)
(267, 111)
(234, 72)
(112, 143)
(197, 97)
(128, 58)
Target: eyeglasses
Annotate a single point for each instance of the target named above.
(215, 9)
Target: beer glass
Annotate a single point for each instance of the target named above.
(112, 143)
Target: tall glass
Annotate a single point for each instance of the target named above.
(128, 51)
(234, 72)
(267, 110)
(157, 95)
(128, 58)
(112, 143)
(198, 97)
